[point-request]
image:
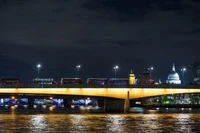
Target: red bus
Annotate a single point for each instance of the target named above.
(118, 81)
(97, 81)
(44, 81)
(10, 81)
(71, 81)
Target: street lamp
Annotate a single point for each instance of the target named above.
(183, 71)
(78, 67)
(38, 66)
(150, 69)
(115, 68)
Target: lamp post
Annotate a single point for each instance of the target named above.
(150, 69)
(183, 71)
(115, 68)
(38, 66)
(78, 67)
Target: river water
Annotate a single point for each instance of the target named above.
(151, 122)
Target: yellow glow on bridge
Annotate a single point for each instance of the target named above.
(100, 92)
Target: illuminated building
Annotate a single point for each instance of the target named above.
(197, 72)
(131, 78)
(173, 77)
(145, 78)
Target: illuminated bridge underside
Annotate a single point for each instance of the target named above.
(120, 93)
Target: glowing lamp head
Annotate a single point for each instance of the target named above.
(38, 66)
(115, 67)
(183, 69)
(78, 66)
(150, 68)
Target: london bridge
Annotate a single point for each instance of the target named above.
(112, 98)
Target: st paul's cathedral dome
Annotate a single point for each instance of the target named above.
(173, 77)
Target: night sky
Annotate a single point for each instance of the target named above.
(98, 34)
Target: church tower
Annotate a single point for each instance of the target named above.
(131, 78)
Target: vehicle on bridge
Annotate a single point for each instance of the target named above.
(10, 81)
(97, 81)
(44, 81)
(71, 81)
(118, 81)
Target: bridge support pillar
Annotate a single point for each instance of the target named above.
(127, 103)
(101, 102)
(31, 102)
(114, 105)
(67, 102)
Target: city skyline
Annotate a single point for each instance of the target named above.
(98, 35)
(150, 69)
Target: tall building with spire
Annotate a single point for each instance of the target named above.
(131, 78)
(173, 77)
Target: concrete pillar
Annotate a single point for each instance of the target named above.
(127, 103)
(31, 102)
(101, 102)
(114, 105)
(67, 102)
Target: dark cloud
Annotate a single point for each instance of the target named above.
(134, 34)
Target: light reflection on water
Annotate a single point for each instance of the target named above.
(112, 123)
(38, 123)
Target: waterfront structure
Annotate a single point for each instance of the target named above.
(197, 72)
(173, 77)
(131, 78)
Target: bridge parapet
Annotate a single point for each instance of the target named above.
(168, 86)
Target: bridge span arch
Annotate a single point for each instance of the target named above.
(119, 93)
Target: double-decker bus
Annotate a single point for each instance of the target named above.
(97, 81)
(118, 81)
(71, 81)
(44, 81)
(10, 81)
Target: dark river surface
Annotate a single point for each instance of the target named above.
(150, 121)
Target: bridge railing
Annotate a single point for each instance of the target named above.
(101, 86)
